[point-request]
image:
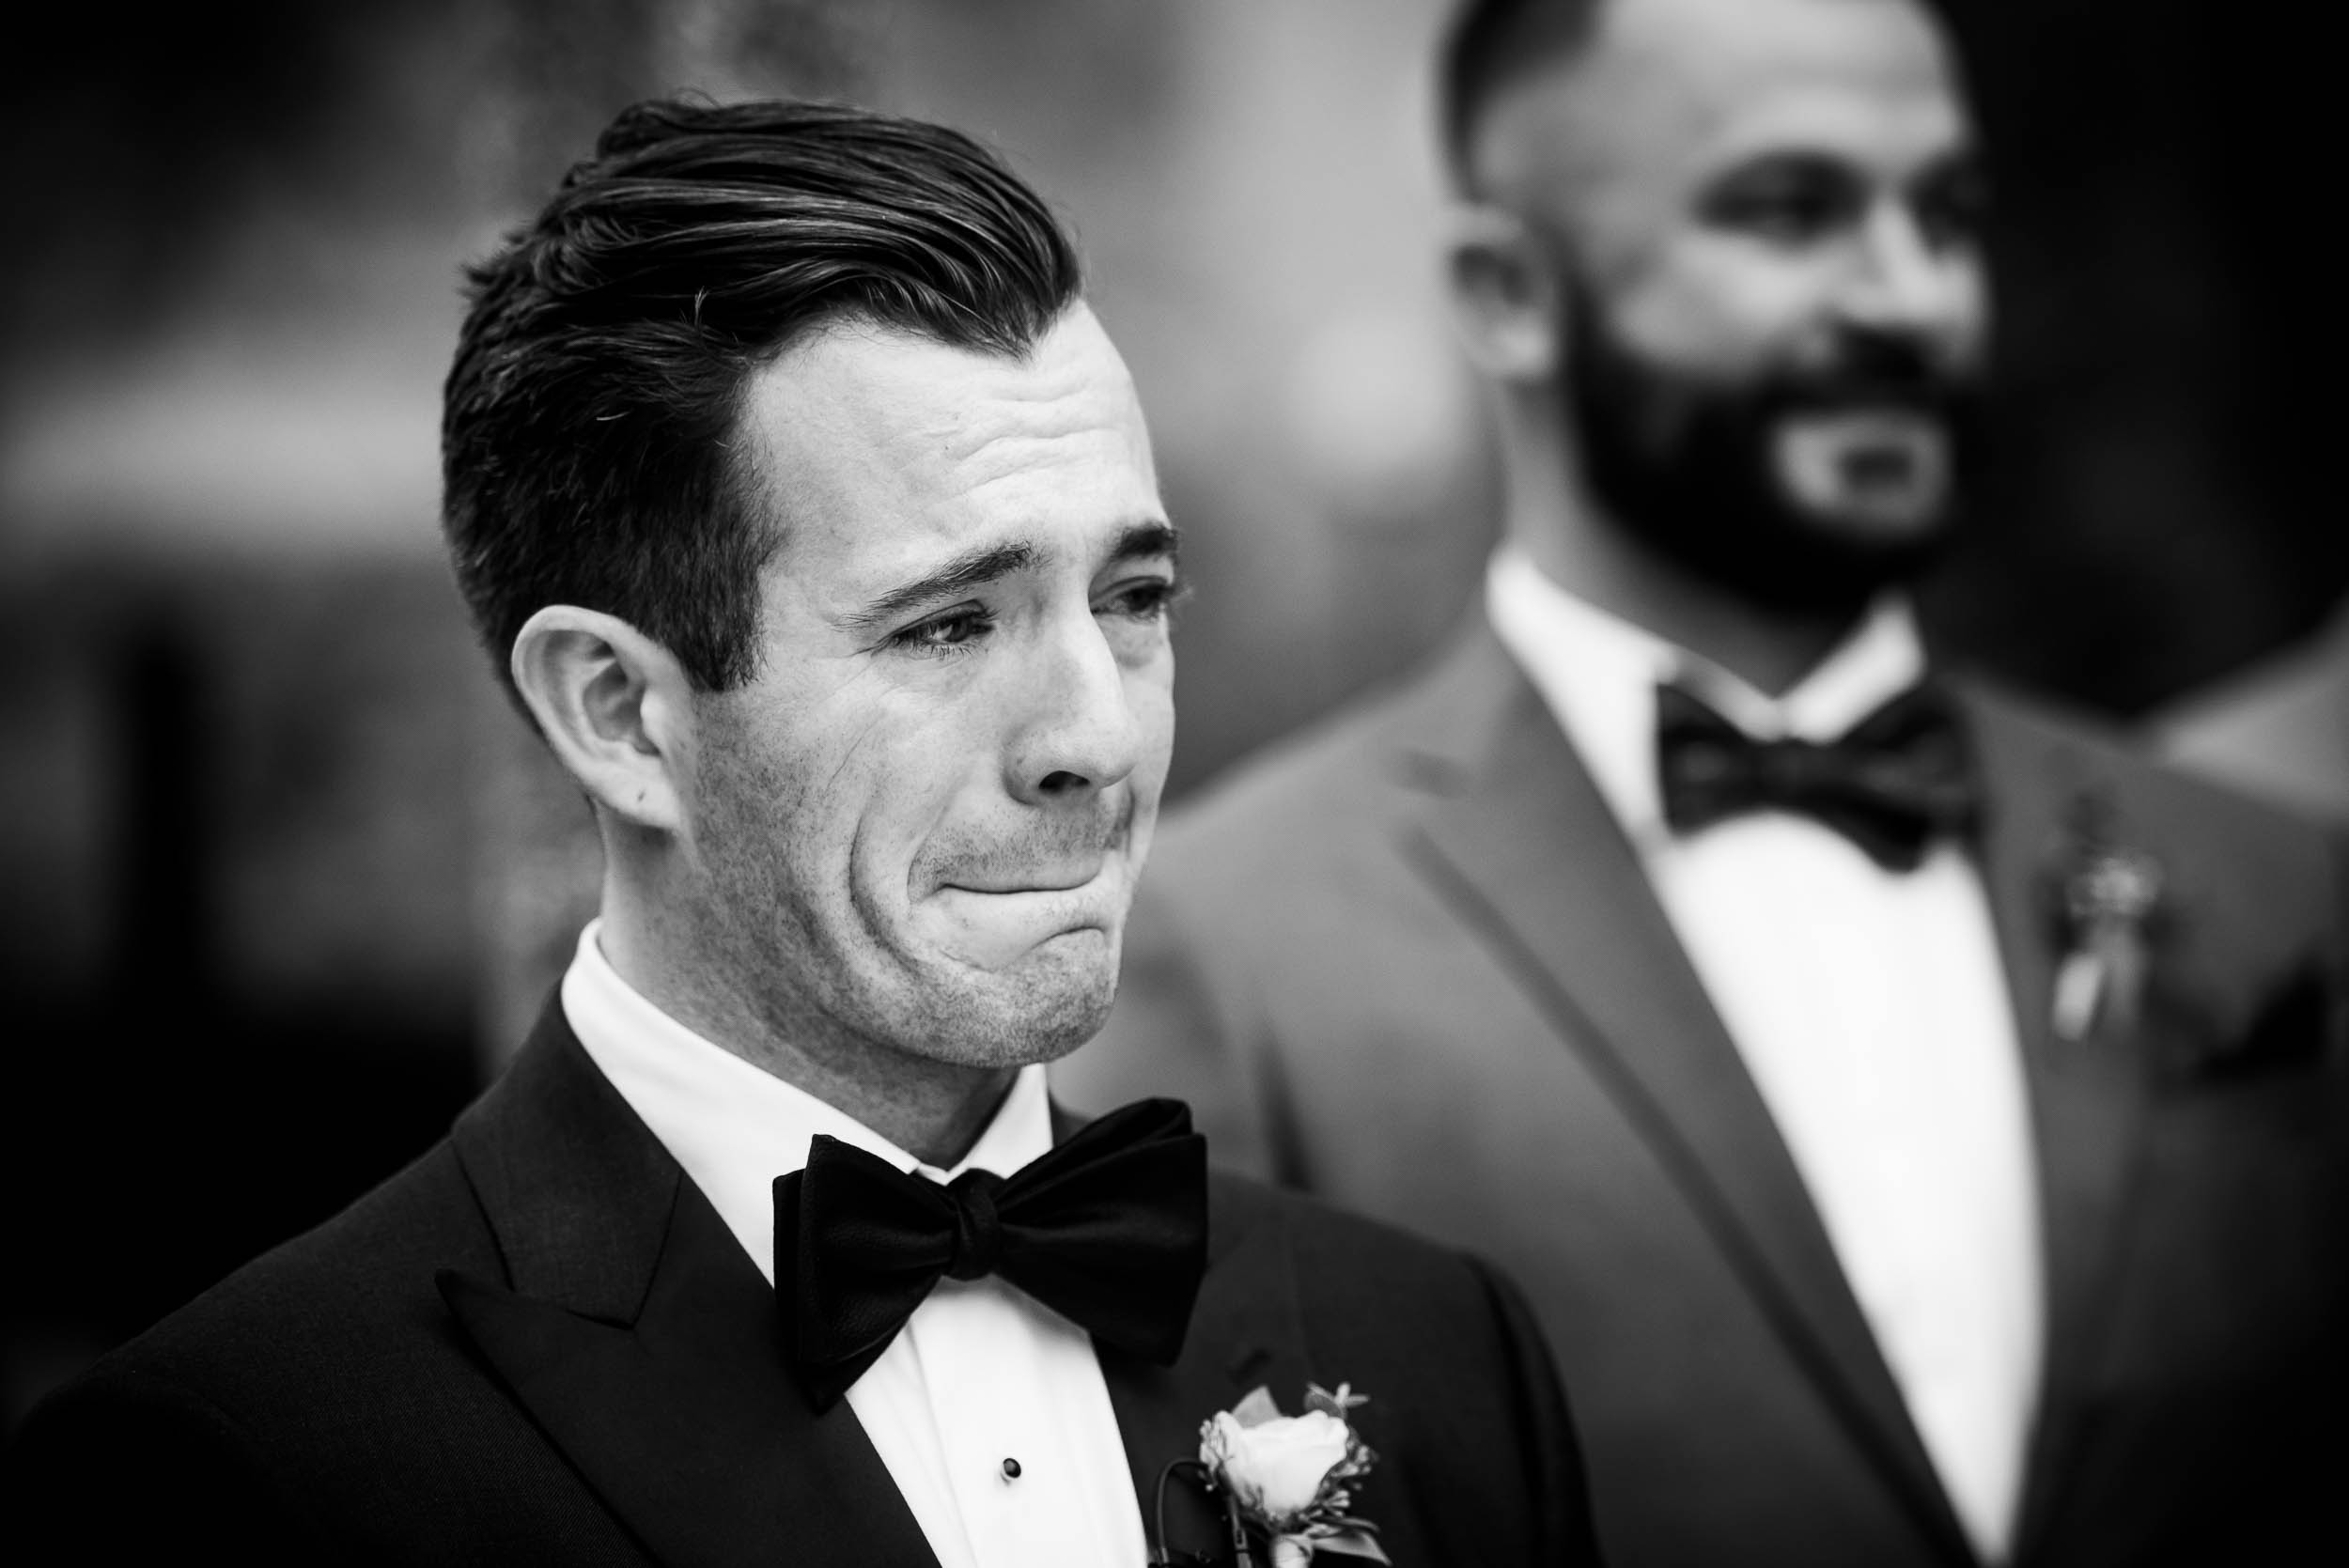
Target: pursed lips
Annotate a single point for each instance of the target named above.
(1053, 854)
(997, 897)
(1056, 876)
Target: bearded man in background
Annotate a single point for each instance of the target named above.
(1922, 1124)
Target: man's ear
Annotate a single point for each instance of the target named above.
(614, 706)
(1506, 302)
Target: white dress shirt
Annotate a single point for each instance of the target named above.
(980, 1373)
(1869, 1007)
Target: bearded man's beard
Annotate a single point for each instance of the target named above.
(1688, 466)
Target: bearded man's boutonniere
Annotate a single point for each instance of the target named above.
(2108, 905)
(1287, 1481)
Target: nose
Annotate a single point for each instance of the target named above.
(1905, 280)
(1076, 732)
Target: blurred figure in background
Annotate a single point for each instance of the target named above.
(1924, 1124)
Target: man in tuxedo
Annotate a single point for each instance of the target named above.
(1921, 1125)
(810, 517)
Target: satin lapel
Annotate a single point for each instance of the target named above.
(644, 1342)
(1244, 1331)
(2088, 1098)
(1527, 849)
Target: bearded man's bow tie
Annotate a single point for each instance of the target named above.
(1897, 780)
(1109, 1230)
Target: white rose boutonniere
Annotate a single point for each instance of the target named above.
(1291, 1478)
(1275, 1467)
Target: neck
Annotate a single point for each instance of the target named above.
(934, 1110)
(1553, 518)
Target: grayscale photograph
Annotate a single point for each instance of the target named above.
(617, 955)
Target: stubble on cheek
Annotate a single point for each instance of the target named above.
(825, 875)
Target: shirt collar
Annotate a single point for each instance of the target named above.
(734, 1127)
(1598, 673)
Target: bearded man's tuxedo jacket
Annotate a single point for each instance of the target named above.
(540, 1343)
(1409, 961)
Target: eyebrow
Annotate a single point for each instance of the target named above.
(1145, 539)
(967, 571)
(987, 564)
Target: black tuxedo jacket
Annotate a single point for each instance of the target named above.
(1409, 962)
(540, 1343)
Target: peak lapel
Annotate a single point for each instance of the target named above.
(644, 1342)
(1530, 855)
(2087, 1097)
(1245, 1330)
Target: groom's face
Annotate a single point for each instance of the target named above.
(918, 828)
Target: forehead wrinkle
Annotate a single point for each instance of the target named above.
(1028, 426)
(897, 449)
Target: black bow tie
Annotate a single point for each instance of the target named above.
(1109, 1230)
(1893, 783)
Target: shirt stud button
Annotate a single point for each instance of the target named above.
(1011, 1469)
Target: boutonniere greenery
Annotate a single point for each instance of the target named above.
(2107, 904)
(1285, 1482)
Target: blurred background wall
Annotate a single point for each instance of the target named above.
(284, 879)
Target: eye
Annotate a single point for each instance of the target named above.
(1786, 201)
(1954, 204)
(1142, 598)
(949, 631)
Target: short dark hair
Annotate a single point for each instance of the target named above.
(1491, 46)
(586, 437)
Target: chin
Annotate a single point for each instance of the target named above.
(1066, 993)
(1037, 1009)
(1065, 1031)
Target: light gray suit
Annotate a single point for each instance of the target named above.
(1408, 961)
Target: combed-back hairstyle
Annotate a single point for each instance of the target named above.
(587, 433)
(1489, 46)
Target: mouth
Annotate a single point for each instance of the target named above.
(1063, 874)
(1056, 855)
(1003, 916)
(1883, 467)
(1893, 468)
